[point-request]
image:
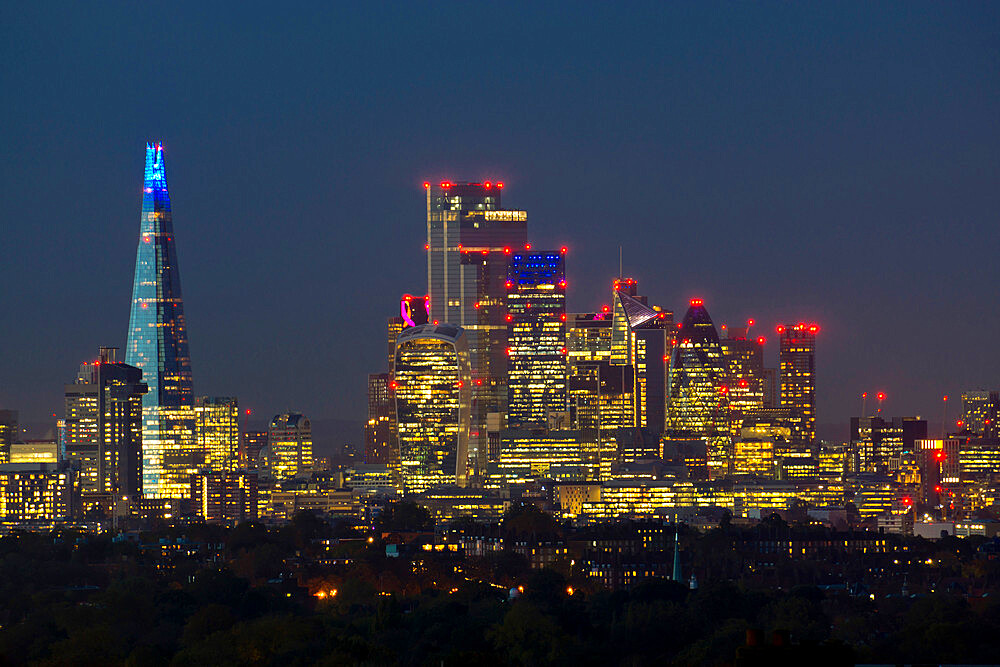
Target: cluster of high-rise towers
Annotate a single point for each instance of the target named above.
(491, 381)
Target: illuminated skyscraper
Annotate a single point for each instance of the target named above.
(380, 446)
(599, 393)
(103, 427)
(536, 337)
(431, 381)
(797, 360)
(641, 340)
(158, 345)
(469, 240)
(218, 431)
(290, 440)
(698, 403)
(977, 409)
(745, 380)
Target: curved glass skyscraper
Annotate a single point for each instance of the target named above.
(698, 401)
(431, 382)
(157, 344)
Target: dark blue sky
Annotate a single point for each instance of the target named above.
(833, 162)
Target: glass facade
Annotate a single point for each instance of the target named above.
(698, 401)
(469, 241)
(158, 346)
(797, 366)
(744, 365)
(103, 426)
(218, 422)
(431, 381)
(536, 338)
(290, 440)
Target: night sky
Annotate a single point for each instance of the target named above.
(835, 162)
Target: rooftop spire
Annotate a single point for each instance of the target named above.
(156, 175)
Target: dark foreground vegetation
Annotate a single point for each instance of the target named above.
(294, 596)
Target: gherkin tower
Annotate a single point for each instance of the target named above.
(157, 344)
(698, 403)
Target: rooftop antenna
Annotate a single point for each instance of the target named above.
(620, 274)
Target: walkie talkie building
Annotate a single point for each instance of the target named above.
(157, 344)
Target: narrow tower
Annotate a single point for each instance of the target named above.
(158, 346)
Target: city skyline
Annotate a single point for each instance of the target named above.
(865, 248)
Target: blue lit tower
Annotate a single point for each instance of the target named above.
(536, 337)
(157, 344)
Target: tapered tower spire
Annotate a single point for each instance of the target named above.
(158, 345)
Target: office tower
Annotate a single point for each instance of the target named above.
(469, 240)
(599, 394)
(103, 427)
(877, 442)
(225, 496)
(975, 411)
(38, 492)
(9, 433)
(641, 339)
(381, 437)
(940, 466)
(431, 382)
(218, 430)
(797, 360)
(745, 380)
(380, 446)
(253, 443)
(698, 402)
(536, 337)
(290, 440)
(158, 345)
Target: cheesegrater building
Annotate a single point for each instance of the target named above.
(158, 346)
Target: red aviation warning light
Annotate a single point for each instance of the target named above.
(880, 396)
(940, 455)
(506, 250)
(750, 322)
(500, 185)
(938, 489)
(761, 340)
(426, 185)
(697, 302)
(780, 328)
(564, 250)
(907, 501)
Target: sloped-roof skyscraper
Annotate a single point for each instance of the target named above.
(158, 345)
(698, 402)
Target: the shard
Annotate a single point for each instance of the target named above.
(157, 344)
